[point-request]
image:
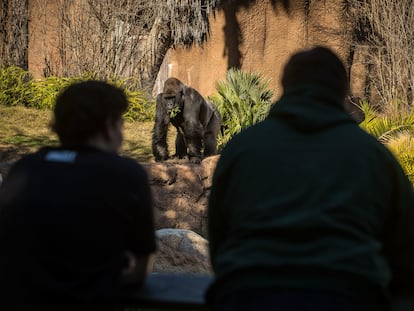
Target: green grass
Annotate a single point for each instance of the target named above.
(24, 130)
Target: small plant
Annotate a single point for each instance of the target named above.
(174, 112)
(242, 100)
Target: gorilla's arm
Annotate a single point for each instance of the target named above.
(211, 132)
(193, 129)
(160, 130)
(180, 145)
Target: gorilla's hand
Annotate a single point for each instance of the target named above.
(195, 160)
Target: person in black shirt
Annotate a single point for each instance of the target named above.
(76, 221)
(307, 211)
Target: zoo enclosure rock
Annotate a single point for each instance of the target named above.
(180, 192)
(181, 251)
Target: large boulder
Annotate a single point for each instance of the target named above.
(180, 192)
(181, 251)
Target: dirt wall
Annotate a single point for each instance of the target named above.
(260, 36)
(253, 35)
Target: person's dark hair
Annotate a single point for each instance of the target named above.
(82, 110)
(318, 65)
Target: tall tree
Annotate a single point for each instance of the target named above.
(13, 32)
(386, 28)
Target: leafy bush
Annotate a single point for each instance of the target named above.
(141, 105)
(242, 100)
(387, 124)
(41, 94)
(13, 83)
(17, 87)
(394, 127)
(402, 146)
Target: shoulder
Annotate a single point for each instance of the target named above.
(369, 149)
(252, 135)
(159, 100)
(29, 160)
(125, 166)
(192, 93)
(122, 173)
(243, 144)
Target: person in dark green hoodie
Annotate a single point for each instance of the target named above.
(307, 211)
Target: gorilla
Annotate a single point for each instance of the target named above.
(197, 122)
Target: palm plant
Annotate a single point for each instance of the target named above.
(242, 100)
(385, 125)
(403, 147)
(394, 127)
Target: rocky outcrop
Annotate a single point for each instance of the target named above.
(181, 193)
(181, 251)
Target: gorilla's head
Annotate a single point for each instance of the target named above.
(172, 93)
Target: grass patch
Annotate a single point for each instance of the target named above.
(24, 130)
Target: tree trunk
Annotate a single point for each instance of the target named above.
(154, 49)
(13, 33)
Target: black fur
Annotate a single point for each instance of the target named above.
(197, 122)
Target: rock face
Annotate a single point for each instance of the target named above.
(180, 193)
(181, 251)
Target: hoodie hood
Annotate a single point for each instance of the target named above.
(310, 107)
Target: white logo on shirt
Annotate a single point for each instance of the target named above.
(61, 156)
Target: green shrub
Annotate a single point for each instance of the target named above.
(388, 123)
(41, 94)
(394, 127)
(13, 83)
(402, 146)
(17, 87)
(242, 100)
(141, 105)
